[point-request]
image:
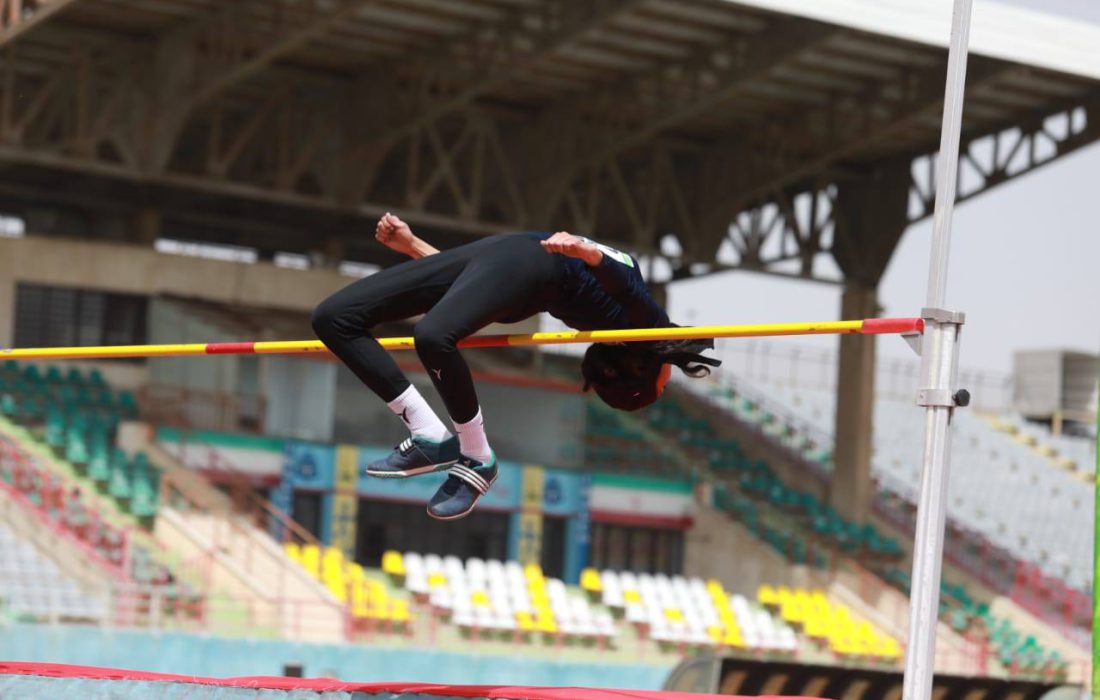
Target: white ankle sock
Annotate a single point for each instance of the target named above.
(472, 441)
(419, 417)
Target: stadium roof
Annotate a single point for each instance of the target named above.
(727, 125)
(998, 30)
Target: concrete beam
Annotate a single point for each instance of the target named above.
(14, 24)
(870, 214)
(851, 489)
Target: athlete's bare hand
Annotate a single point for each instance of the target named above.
(395, 234)
(571, 246)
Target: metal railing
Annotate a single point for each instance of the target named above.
(201, 409)
(785, 364)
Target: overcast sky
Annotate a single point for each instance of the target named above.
(1025, 264)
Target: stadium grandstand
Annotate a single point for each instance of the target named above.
(185, 171)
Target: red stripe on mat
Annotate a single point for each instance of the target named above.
(494, 692)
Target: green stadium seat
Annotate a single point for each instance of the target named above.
(85, 398)
(119, 485)
(67, 395)
(55, 426)
(76, 448)
(31, 408)
(53, 375)
(32, 374)
(106, 400)
(99, 461)
(9, 406)
(95, 378)
(73, 376)
(144, 499)
(127, 404)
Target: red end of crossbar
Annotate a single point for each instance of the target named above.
(892, 325)
(230, 348)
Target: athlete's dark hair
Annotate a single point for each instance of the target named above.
(626, 375)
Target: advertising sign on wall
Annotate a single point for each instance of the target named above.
(345, 500)
(528, 522)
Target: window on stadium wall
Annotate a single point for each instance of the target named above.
(307, 511)
(48, 316)
(553, 547)
(637, 549)
(405, 528)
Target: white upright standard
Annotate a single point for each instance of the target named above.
(939, 365)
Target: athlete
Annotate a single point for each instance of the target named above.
(506, 279)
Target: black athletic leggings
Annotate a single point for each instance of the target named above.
(461, 290)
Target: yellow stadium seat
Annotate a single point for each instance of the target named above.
(816, 628)
(393, 563)
(355, 572)
(375, 588)
(715, 588)
(889, 648)
(539, 598)
(479, 599)
(338, 591)
(533, 572)
(674, 615)
(525, 621)
(360, 610)
(437, 580)
(834, 625)
(733, 638)
(632, 597)
(766, 595)
(311, 560)
(794, 610)
(546, 624)
(590, 581)
(378, 612)
(292, 551)
(399, 611)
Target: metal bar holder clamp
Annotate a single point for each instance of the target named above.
(942, 322)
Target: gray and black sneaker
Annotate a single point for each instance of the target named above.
(416, 455)
(467, 481)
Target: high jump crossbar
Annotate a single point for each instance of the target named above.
(870, 326)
